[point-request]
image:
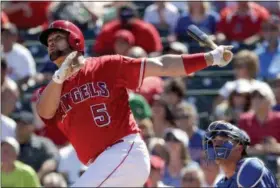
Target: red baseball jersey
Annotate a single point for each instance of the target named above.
(94, 111)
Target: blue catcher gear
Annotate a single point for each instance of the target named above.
(225, 129)
(249, 172)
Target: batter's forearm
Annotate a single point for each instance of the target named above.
(177, 65)
(49, 100)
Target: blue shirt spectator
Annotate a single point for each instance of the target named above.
(195, 145)
(208, 25)
(269, 61)
(167, 179)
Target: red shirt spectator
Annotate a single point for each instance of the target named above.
(27, 14)
(258, 131)
(237, 24)
(151, 86)
(124, 41)
(146, 36)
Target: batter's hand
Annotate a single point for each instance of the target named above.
(67, 68)
(222, 55)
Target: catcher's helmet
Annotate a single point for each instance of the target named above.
(222, 128)
(75, 38)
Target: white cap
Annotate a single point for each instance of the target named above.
(242, 86)
(178, 134)
(13, 142)
(155, 141)
(265, 90)
(180, 47)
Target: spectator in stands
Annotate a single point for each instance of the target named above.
(245, 66)
(146, 36)
(176, 142)
(239, 101)
(53, 179)
(157, 147)
(162, 116)
(82, 14)
(8, 127)
(21, 64)
(13, 172)
(163, 15)
(262, 121)
(139, 107)
(26, 14)
(181, 6)
(9, 91)
(192, 177)
(269, 51)
(137, 52)
(200, 14)
(242, 22)
(147, 131)
(157, 169)
(187, 119)
(124, 41)
(69, 163)
(174, 92)
(262, 125)
(151, 87)
(111, 10)
(36, 151)
(276, 88)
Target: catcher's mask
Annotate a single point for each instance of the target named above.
(223, 150)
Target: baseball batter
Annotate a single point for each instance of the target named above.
(88, 100)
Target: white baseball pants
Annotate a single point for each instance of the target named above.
(125, 164)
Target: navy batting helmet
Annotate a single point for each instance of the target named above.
(225, 129)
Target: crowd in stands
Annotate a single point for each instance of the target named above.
(172, 113)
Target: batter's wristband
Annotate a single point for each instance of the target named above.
(194, 62)
(57, 79)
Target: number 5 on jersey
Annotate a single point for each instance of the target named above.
(100, 115)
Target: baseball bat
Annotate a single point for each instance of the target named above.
(204, 39)
(201, 37)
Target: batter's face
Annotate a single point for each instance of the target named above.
(58, 46)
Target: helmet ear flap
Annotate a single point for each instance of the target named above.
(74, 42)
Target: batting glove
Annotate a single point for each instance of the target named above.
(65, 70)
(222, 55)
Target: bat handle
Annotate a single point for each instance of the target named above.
(212, 44)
